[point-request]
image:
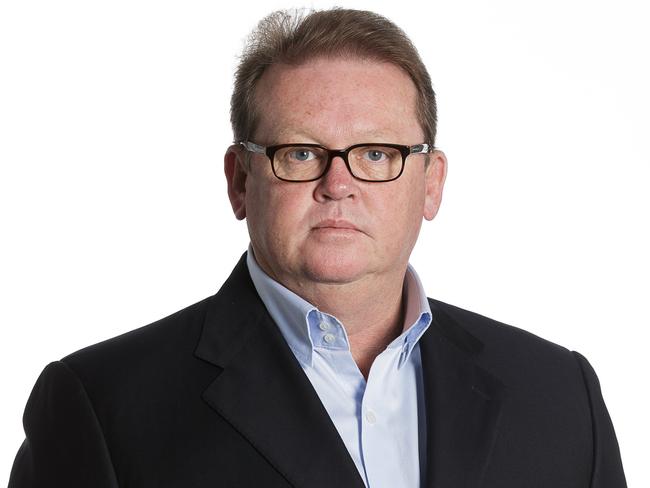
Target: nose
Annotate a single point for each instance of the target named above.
(337, 183)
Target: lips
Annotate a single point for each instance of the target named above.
(336, 224)
(337, 229)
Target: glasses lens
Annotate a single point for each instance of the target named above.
(299, 163)
(375, 163)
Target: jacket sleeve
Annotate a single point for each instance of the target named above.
(64, 444)
(607, 469)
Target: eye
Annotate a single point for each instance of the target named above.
(375, 155)
(301, 154)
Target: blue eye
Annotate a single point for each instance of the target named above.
(375, 155)
(302, 154)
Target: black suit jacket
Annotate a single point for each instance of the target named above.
(212, 396)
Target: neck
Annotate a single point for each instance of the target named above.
(371, 310)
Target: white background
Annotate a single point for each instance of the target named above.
(113, 125)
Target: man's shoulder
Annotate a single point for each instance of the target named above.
(491, 331)
(172, 345)
(163, 342)
(507, 350)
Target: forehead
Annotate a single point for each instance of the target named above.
(336, 98)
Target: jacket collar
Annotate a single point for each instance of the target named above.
(264, 394)
(463, 403)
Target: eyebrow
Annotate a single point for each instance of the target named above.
(299, 136)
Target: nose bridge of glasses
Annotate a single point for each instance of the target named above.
(332, 154)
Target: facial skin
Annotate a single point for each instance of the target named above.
(336, 231)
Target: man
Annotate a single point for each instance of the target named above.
(321, 362)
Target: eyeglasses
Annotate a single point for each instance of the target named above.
(366, 162)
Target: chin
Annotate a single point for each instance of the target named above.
(336, 268)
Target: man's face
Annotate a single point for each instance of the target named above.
(336, 230)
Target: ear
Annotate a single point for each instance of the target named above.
(236, 171)
(435, 174)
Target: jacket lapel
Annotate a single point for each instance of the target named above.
(463, 404)
(264, 394)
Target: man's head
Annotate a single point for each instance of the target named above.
(292, 38)
(337, 229)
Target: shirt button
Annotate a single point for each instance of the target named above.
(324, 326)
(329, 338)
(370, 417)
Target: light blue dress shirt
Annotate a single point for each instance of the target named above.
(381, 420)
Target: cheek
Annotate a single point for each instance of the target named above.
(405, 200)
(402, 214)
(275, 211)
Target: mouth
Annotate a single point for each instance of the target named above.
(336, 225)
(336, 230)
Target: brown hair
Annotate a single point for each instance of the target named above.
(291, 37)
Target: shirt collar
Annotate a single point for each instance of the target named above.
(305, 328)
